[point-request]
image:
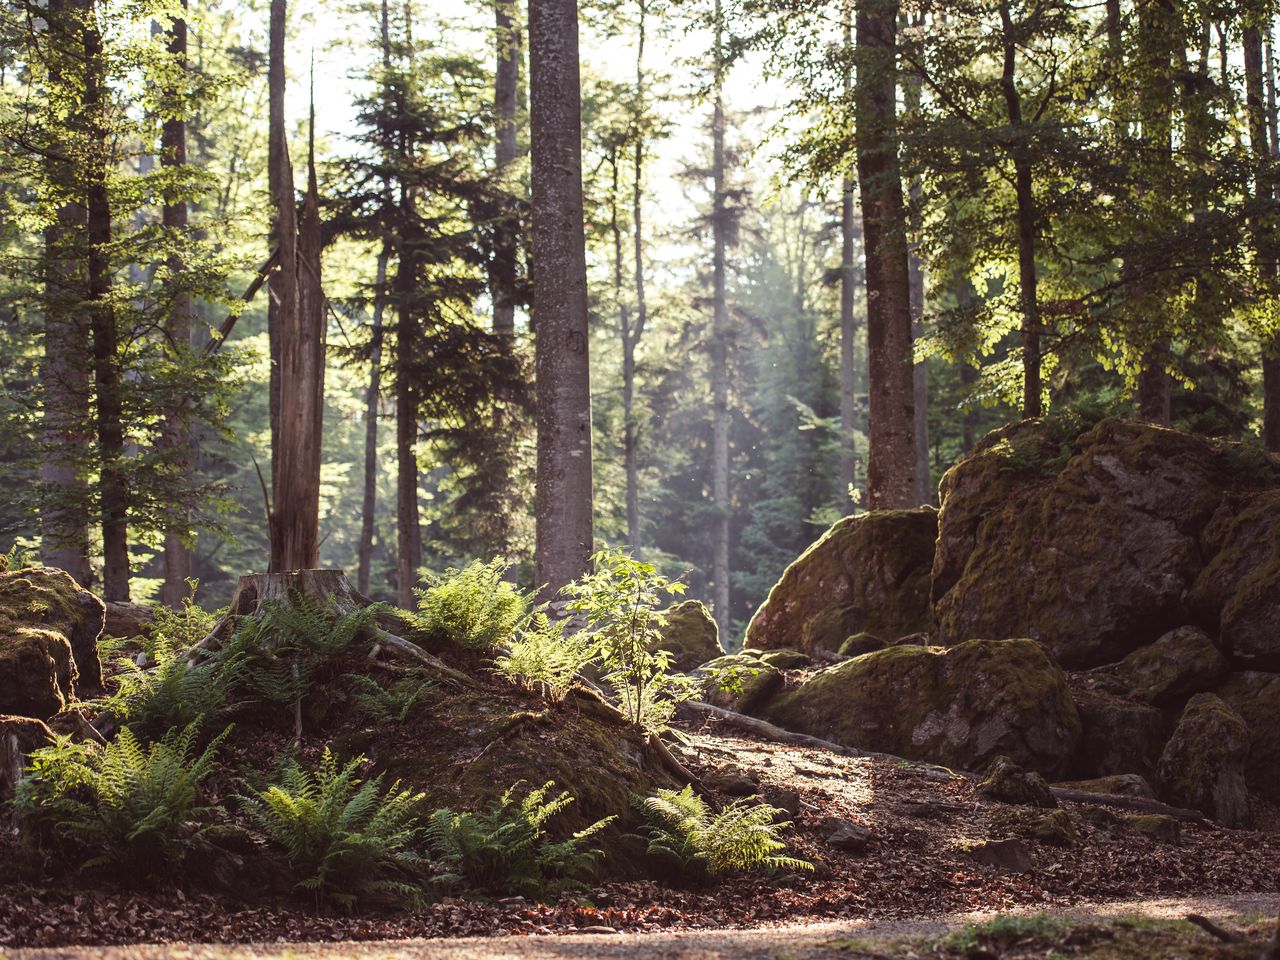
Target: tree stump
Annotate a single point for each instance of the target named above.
(326, 590)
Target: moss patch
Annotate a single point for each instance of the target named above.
(690, 635)
(49, 600)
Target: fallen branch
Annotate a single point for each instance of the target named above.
(1137, 804)
(674, 766)
(1211, 928)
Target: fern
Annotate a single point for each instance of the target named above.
(542, 656)
(19, 557)
(741, 838)
(131, 804)
(472, 607)
(346, 838)
(391, 704)
(504, 849)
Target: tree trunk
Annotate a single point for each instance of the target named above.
(64, 540)
(891, 458)
(1154, 394)
(848, 330)
(1258, 139)
(563, 489)
(408, 531)
(369, 502)
(628, 366)
(177, 435)
(295, 474)
(506, 87)
(632, 341)
(719, 349)
(1024, 191)
(282, 286)
(925, 490)
(113, 489)
(1271, 363)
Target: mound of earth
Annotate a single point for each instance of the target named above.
(49, 628)
(867, 574)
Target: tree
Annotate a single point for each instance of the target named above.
(719, 340)
(506, 89)
(563, 500)
(891, 457)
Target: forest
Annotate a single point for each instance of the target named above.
(754, 477)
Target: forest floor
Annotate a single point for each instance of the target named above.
(919, 864)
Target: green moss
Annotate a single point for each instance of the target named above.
(859, 644)
(37, 673)
(690, 635)
(1256, 697)
(1155, 825)
(49, 600)
(742, 682)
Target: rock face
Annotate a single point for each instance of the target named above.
(1256, 698)
(1091, 542)
(49, 629)
(1204, 762)
(961, 707)
(868, 573)
(1238, 592)
(1182, 662)
(690, 635)
(1119, 736)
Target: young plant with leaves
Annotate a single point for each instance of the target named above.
(546, 657)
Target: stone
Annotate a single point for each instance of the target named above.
(1158, 826)
(1237, 594)
(741, 682)
(845, 834)
(1117, 785)
(1009, 854)
(37, 673)
(867, 573)
(783, 659)
(1085, 537)
(1203, 765)
(1183, 662)
(859, 644)
(1056, 828)
(19, 736)
(784, 799)
(1007, 782)
(690, 635)
(961, 707)
(1255, 697)
(1118, 735)
(732, 781)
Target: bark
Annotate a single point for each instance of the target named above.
(563, 487)
(1271, 362)
(282, 287)
(848, 329)
(64, 540)
(891, 458)
(628, 365)
(925, 490)
(1024, 191)
(295, 517)
(408, 531)
(112, 484)
(369, 502)
(719, 350)
(1154, 394)
(177, 435)
(1256, 111)
(506, 88)
(631, 340)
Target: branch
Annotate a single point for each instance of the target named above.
(228, 324)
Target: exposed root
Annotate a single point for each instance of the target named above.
(1211, 928)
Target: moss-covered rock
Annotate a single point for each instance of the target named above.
(37, 673)
(1157, 826)
(1007, 782)
(1238, 592)
(866, 573)
(1204, 762)
(48, 602)
(961, 707)
(1118, 735)
(19, 736)
(1182, 662)
(690, 635)
(784, 658)
(859, 644)
(1256, 697)
(743, 682)
(1086, 539)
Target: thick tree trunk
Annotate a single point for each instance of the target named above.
(719, 350)
(64, 540)
(1255, 94)
(113, 486)
(506, 88)
(848, 329)
(369, 501)
(892, 456)
(563, 490)
(177, 435)
(282, 285)
(925, 490)
(408, 531)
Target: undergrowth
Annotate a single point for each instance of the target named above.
(473, 608)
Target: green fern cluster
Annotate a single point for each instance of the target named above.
(474, 607)
(390, 704)
(134, 805)
(19, 557)
(346, 838)
(743, 837)
(542, 656)
(504, 849)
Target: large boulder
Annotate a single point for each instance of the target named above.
(962, 707)
(742, 682)
(1204, 762)
(1182, 662)
(868, 573)
(1088, 540)
(49, 629)
(1238, 592)
(690, 635)
(1118, 735)
(1256, 697)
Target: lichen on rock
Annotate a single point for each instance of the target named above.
(1203, 765)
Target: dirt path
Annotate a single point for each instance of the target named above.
(774, 943)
